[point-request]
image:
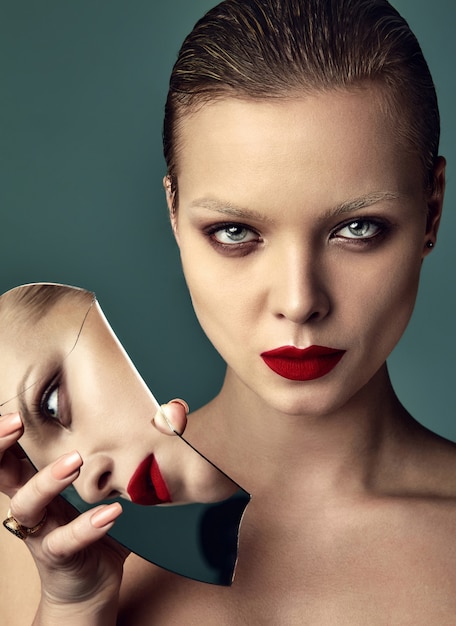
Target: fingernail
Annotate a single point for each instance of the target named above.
(10, 424)
(66, 466)
(106, 515)
(162, 412)
(182, 403)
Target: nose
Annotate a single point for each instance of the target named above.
(299, 289)
(95, 481)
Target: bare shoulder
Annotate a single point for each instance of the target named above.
(431, 466)
(418, 513)
(17, 573)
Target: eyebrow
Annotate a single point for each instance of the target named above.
(23, 386)
(356, 204)
(228, 208)
(233, 210)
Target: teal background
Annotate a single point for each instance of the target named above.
(83, 85)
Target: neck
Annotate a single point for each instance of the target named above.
(349, 450)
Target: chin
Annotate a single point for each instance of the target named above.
(303, 404)
(314, 399)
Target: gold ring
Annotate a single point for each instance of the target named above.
(11, 524)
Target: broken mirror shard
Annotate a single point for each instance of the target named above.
(65, 371)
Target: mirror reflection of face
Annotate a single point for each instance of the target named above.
(63, 368)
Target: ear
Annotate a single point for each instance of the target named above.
(434, 206)
(170, 201)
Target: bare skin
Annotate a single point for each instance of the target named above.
(332, 543)
(358, 558)
(354, 503)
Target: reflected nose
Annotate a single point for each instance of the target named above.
(95, 481)
(299, 290)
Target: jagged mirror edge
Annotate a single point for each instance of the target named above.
(196, 540)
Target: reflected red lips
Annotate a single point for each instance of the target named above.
(147, 486)
(302, 364)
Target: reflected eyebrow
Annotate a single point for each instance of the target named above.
(23, 386)
(356, 204)
(229, 209)
(26, 415)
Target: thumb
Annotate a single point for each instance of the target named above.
(171, 418)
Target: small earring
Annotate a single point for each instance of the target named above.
(429, 244)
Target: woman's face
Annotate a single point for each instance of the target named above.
(301, 222)
(76, 389)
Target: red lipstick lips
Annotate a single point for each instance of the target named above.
(147, 485)
(302, 364)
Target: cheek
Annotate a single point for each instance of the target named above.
(208, 304)
(223, 295)
(389, 303)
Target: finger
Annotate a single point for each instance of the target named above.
(65, 541)
(14, 471)
(10, 430)
(172, 417)
(30, 501)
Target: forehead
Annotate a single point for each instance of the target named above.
(27, 330)
(338, 139)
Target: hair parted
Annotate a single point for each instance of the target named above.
(264, 49)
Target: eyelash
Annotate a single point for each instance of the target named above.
(381, 226)
(243, 248)
(42, 397)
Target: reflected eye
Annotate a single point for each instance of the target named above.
(359, 229)
(50, 403)
(234, 234)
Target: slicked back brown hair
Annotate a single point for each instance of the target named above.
(264, 49)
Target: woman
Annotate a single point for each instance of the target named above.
(305, 192)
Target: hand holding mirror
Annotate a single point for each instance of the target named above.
(75, 387)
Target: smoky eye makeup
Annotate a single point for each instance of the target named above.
(48, 405)
(362, 231)
(232, 238)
